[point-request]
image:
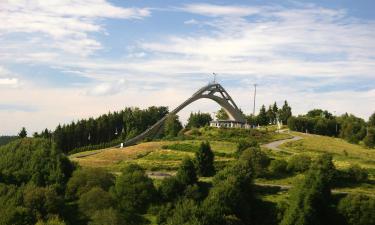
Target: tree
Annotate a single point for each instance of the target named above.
(42, 202)
(357, 209)
(271, 116)
(285, 112)
(134, 190)
(256, 159)
(83, 180)
(108, 216)
(198, 120)
(262, 118)
(22, 133)
(186, 174)
(369, 140)
(371, 120)
(275, 109)
(310, 199)
(94, 200)
(222, 114)
(172, 126)
(204, 160)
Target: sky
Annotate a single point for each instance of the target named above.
(64, 60)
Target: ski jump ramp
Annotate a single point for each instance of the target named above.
(213, 91)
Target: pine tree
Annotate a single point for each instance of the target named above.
(22, 133)
(204, 160)
(262, 116)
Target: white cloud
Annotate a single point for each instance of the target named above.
(105, 89)
(8, 79)
(220, 10)
(64, 25)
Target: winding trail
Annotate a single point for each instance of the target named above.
(275, 144)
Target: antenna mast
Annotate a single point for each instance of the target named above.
(255, 95)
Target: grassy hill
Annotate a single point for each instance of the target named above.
(166, 156)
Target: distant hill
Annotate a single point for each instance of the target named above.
(6, 139)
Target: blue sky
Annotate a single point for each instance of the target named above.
(65, 60)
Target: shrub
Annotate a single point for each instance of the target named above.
(85, 179)
(244, 144)
(170, 188)
(278, 166)
(51, 221)
(256, 159)
(133, 190)
(93, 200)
(107, 217)
(357, 209)
(299, 163)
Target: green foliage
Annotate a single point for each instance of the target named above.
(186, 174)
(278, 166)
(319, 113)
(353, 129)
(262, 118)
(357, 209)
(256, 159)
(198, 120)
(204, 160)
(51, 221)
(128, 123)
(172, 126)
(7, 139)
(34, 160)
(222, 114)
(316, 125)
(285, 112)
(108, 216)
(186, 212)
(299, 163)
(22, 133)
(244, 144)
(354, 174)
(42, 201)
(371, 120)
(310, 200)
(231, 198)
(94, 200)
(170, 188)
(133, 190)
(83, 180)
(183, 183)
(369, 140)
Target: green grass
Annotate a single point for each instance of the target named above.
(344, 153)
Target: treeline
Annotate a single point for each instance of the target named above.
(121, 125)
(348, 127)
(6, 139)
(271, 115)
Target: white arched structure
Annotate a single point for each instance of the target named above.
(213, 91)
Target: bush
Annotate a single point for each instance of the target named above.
(357, 209)
(107, 217)
(278, 166)
(51, 221)
(133, 190)
(354, 174)
(94, 200)
(299, 163)
(244, 144)
(256, 159)
(85, 179)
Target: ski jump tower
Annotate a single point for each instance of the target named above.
(213, 91)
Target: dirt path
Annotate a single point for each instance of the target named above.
(275, 145)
